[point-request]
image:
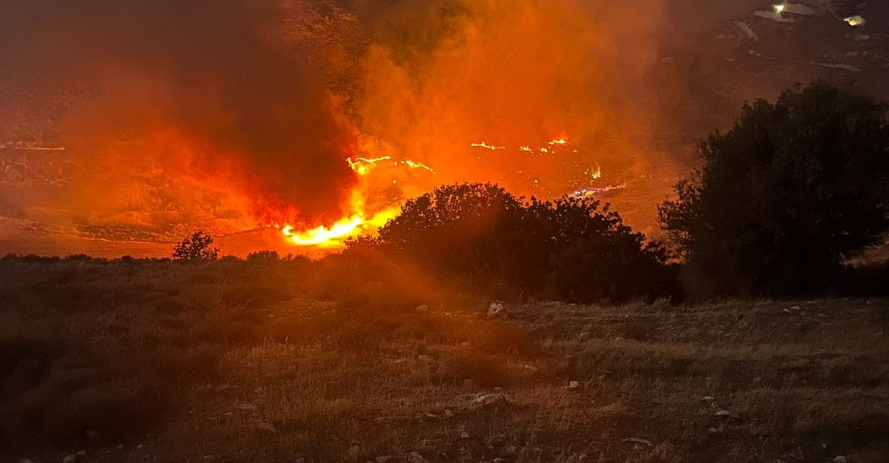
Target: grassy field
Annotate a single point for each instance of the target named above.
(136, 361)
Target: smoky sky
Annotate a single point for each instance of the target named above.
(217, 70)
(267, 99)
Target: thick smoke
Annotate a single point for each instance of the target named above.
(222, 92)
(240, 112)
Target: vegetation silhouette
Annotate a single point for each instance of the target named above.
(198, 246)
(573, 248)
(784, 198)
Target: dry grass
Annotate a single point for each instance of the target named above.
(246, 362)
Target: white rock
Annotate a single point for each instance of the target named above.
(248, 407)
(573, 385)
(708, 398)
(422, 308)
(382, 459)
(726, 413)
(488, 399)
(415, 457)
(464, 435)
(496, 309)
(81, 453)
(69, 459)
(140, 447)
(839, 459)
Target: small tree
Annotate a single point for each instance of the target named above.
(786, 196)
(198, 246)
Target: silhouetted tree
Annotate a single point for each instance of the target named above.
(198, 246)
(572, 245)
(783, 198)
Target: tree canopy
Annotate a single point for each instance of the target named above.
(782, 199)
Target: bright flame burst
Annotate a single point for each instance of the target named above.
(359, 221)
(335, 236)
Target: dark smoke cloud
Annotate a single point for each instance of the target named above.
(255, 107)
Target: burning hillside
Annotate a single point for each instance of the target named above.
(135, 123)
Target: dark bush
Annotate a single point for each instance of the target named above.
(262, 256)
(573, 246)
(792, 191)
(198, 246)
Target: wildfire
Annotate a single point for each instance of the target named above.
(361, 219)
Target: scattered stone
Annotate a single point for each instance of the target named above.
(712, 431)
(248, 407)
(300, 460)
(119, 447)
(209, 457)
(448, 413)
(496, 309)
(726, 414)
(840, 459)
(69, 459)
(499, 460)
(637, 440)
(482, 399)
(382, 459)
(708, 398)
(269, 427)
(81, 453)
(415, 457)
(258, 390)
(573, 385)
(464, 435)
(422, 308)
(529, 367)
(425, 358)
(140, 447)
(512, 449)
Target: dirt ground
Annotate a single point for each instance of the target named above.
(239, 362)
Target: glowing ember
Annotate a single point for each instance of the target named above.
(596, 172)
(487, 146)
(362, 166)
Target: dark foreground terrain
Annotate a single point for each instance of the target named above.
(136, 361)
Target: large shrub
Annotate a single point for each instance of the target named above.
(783, 198)
(572, 246)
